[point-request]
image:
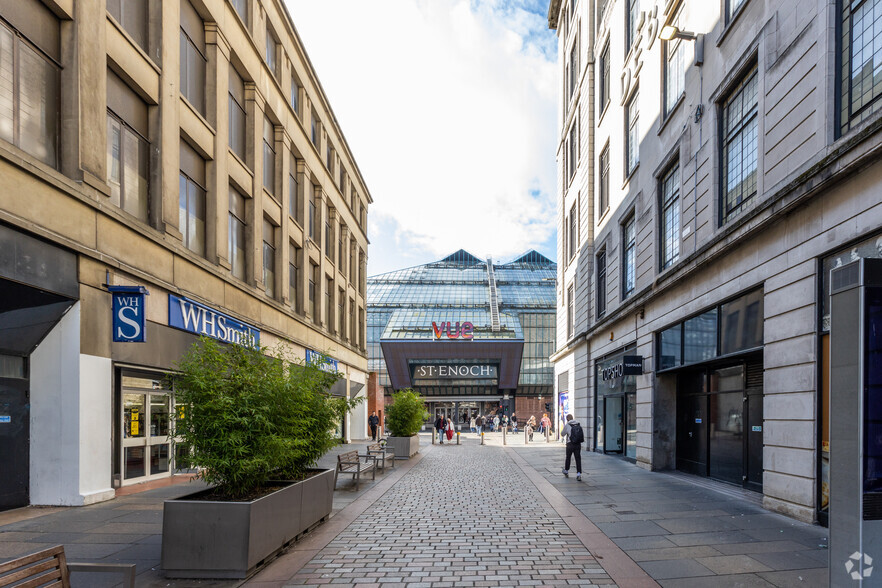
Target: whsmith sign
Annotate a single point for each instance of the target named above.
(129, 313)
(444, 371)
(191, 316)
(630, 365)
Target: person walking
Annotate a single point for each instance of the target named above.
(472, 425)
(495, 423)
(479, 425)
(531, 427)
(575, 436)
(441, 427)
(449, 429)
(374, 422)
(514, 423)
(545, 424)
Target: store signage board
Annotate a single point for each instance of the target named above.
(129, 313)
(191, 316)
(5, 418)
(630, 365)
(464, 330)
(324, 362)
(444, 371)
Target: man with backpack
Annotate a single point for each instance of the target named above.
(575, 436)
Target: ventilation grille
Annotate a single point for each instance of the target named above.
(845, 277)
(873, 506)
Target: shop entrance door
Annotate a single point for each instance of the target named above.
(14, 443)
(613, 408)
(146, 444)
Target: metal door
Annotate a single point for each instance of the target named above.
(14, 443)
(613, 408)
(692, 434)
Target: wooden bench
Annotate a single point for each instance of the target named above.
(353, 463)
(379, 452)
(50, 568)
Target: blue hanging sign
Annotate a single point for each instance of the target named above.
(191, 316)
(129, 313)
(314, 357)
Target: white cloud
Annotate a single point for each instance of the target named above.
(449, 107)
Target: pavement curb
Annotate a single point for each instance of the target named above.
(623, 570)
(285, 566)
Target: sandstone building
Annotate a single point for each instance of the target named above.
(182, 153)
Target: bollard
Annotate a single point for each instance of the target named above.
(457, 437)
(433, 436)
(482, 437)
(504, 442)
(526, 438)
(547, 438)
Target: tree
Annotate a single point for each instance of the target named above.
(406, 414)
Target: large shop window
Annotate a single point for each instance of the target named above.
(615, 419)
(732, 327)
(869, 248)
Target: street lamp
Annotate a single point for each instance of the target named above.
(670, 32)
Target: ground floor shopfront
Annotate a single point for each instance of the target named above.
(735, 359)
(82, 414)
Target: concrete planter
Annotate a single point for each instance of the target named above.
(213, 539)
(404, 447)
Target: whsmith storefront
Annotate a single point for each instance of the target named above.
(471, 336)
(84, 401)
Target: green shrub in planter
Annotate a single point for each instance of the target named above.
(248, 415)
(407, 413)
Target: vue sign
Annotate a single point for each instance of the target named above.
(129, 313)
(464, 330)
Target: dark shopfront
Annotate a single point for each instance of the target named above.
(615, 406)
(717, 360)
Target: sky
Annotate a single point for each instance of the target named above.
(449, 108)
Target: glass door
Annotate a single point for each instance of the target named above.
(613, 408)
(146, 441)
(631, 426)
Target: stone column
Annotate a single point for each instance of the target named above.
(218, 106)
(170, 131)
(254, 111)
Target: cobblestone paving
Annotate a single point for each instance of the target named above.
(464, 516)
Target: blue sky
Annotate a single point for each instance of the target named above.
(449, 107)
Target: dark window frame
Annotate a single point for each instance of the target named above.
(749, 120)
(601, 283)
(629, 255)
(669, 201)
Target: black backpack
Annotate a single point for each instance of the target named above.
(576, 435)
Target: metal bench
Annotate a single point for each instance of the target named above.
(50, 568)
(378, 450)
(353, 463)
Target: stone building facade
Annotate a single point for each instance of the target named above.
(707, 185)
(182, 153)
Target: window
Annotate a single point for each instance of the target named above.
(675, 65)
(314, 131)
(191, 214)
(670, 217)
(861, 58)
(329, 304)
(342, 176)
(633, 138)
(571, 152)
(574, 67)
(601, 284)
(329, 233)
(132, 15)
(361, 328)
(732, 7)
(128, 152)
(313, 210)
(294, 262)
(295, 95)
(603, 204)
(629, 257)
(362, 271)
(238, 132)
(329, 157)
(30, 83)
(313, 279)
(570, 318)
(294, 208)
(352, 268)
(272, 52)
(573, 231)
(237, 248)
(193, 60)
(353, 336)
(739, 145)
(341, 313)
(604, 78)
(269, 155)
(631, 24)
(341, 251)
